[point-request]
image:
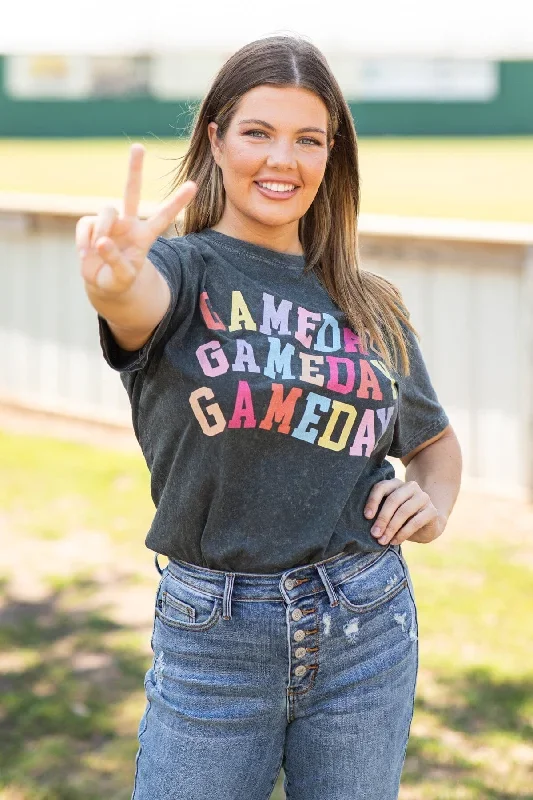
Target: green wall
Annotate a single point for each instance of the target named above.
(511, 112)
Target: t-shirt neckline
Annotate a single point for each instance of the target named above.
(255, 251)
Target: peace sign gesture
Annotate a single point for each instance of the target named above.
(112, 246)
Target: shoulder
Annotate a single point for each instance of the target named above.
(179, 260)
(183, 247)
(178, 255)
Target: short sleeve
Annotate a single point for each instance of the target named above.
(166, 260)
(420, 414)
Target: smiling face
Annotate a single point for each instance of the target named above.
(273, 158)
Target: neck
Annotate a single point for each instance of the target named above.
(283, 238)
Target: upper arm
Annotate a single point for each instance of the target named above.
(421, 418)
(448, 431)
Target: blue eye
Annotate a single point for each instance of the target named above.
(258, 134)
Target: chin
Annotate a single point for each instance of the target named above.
(272, 220)
(273, 223)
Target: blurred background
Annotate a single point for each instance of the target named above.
(442, 99)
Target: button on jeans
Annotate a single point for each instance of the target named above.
(313, 669)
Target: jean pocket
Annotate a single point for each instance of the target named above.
(376, 584)
(180, 605)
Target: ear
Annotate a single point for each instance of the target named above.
(215, 142)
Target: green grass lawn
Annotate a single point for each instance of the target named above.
(73, 654)
(472, 178)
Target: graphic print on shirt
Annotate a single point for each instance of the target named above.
(338, 363)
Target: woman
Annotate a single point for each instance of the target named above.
(262, 366)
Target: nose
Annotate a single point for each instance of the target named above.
(281, 155)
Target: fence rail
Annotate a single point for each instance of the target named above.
(468, 286)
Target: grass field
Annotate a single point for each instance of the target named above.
(472, 178)
(75, 621)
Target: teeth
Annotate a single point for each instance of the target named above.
(277, 187)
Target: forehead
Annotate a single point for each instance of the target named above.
(283, 106)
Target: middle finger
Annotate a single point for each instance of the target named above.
(164, 216)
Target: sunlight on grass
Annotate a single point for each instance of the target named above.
(73, 488)
(474, 178)
(493, 627)
(71, 670)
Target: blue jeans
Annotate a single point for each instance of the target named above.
(313, 669)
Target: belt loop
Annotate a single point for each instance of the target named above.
(228, 589)
(333, 598)
(157, 564)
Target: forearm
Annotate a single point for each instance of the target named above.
(437, 470)
(135, 313)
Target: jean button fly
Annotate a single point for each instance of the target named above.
(299, 635)
(301, 670)
(297, 614)
(300, 652)
(290, 584)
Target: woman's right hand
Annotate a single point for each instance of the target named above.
(113, 247)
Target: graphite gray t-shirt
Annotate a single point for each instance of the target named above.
(263, 423)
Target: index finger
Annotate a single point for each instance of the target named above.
(132, 193)
(378, 492)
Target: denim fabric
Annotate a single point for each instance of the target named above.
(313, 669)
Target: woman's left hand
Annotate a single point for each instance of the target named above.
(407, 513)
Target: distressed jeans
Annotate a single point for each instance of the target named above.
(313, 669)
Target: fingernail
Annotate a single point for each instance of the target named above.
(375, 531)
(382, 540)
(368, 511)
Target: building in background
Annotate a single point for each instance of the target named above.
(112, 95)
(410, 68)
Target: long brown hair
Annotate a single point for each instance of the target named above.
(374, 306)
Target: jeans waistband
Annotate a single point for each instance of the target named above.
(288, 586)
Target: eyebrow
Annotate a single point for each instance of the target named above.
(271, 127)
